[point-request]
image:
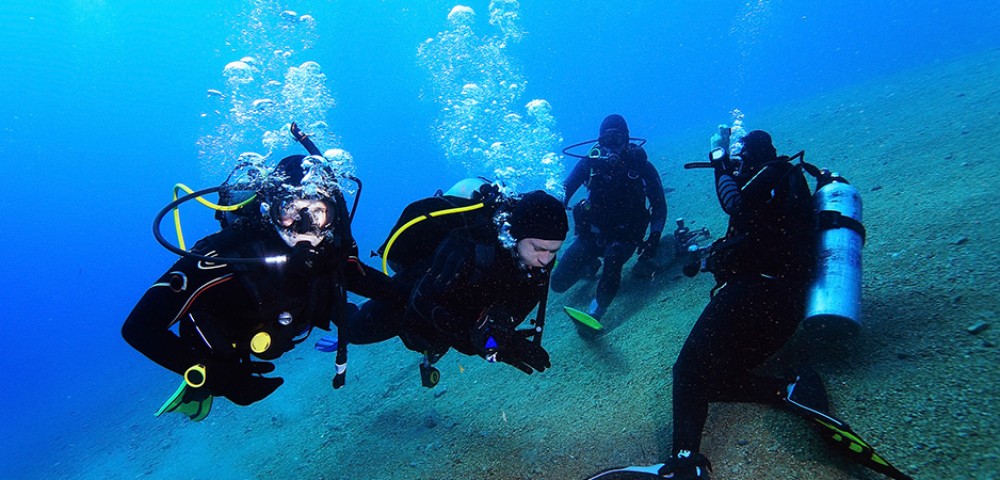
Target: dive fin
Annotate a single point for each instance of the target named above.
(842, 437)
(629, 473)
(193, 402)
(583, 317)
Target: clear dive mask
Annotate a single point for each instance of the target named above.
(304, 220)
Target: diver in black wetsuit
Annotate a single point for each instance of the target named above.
(232, 312)
(612, 220)
(480, 284)
(762, 267)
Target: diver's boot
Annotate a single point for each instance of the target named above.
(805, 395)
(685, 465)
(591, 328)
(596, 310)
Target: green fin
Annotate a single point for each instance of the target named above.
(840, 435)
(847, 441)
(193, 402)
(583, 317)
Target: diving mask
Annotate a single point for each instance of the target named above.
(613, 139)
(303, 220)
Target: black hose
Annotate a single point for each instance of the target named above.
(205, 258)
(565, 151)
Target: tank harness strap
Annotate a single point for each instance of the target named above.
(831, 219)
(828, 219)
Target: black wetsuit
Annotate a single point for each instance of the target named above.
(763, 266)
(611, 221)
(470, 278)
(218, 308)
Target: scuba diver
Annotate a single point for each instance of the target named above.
(763, 267)
(489, 269)
(611, 221)
(245, 295)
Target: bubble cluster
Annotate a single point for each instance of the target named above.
(736, 132)
(266, 89)
(483, 125)
(746, 28)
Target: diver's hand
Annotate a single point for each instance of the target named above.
(524, 355)
(241, 382)
(647, 249)
(719, 158)
(502, 343)
(692, 267)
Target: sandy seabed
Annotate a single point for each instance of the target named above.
(920, 146)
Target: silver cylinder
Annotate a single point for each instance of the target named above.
(833, 304)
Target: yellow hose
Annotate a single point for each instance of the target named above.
(213, 206)
(400, 230)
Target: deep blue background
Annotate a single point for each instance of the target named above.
(100, 113)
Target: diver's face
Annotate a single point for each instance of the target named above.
(613, 139)
(304, 221)
(537, 253)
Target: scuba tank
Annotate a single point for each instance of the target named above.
(474, 200)
(833, 304)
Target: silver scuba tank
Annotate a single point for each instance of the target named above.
(833, 305)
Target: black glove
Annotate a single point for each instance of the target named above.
(647, 249)
(502, 343)
(719, 158)
(692, 268)
(240, 381)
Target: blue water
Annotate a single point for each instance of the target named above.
(102, 104)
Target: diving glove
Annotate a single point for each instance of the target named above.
(647, 249)
(240, 381)
(501, 343)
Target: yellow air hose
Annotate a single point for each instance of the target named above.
(395, 235)
(213, 206)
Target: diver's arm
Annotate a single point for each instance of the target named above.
(148, 326)
(369, 282)
(575, 179)
(728, 193)
(452, 263)
(654, 193)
